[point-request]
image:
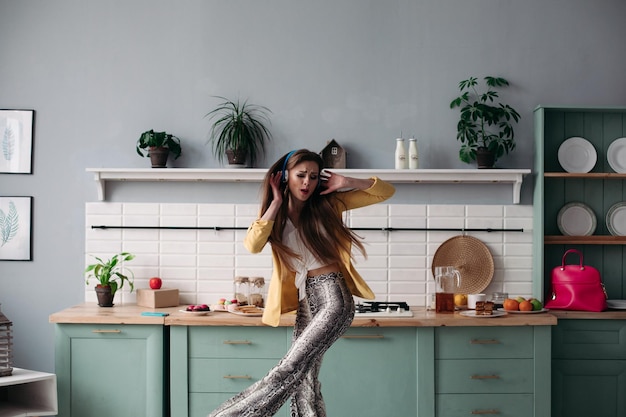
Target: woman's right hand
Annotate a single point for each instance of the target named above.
(275, 181)
(277, 197)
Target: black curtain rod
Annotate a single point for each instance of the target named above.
(383, 229)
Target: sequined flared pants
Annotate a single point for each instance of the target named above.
(323, 316)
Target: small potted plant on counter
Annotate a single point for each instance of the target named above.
(485, 128)
(239, 131)
(111, 276)
(159, 145)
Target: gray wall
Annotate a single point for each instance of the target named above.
(98, 73)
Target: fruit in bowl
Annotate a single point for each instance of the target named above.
(522, 304)
(199, 307)
(511, 304)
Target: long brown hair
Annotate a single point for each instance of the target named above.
(319, 227)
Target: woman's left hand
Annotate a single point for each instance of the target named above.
(332, 182)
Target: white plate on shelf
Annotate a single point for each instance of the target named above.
(616, 219)
(576, 219)
(616, 304)
(472, 313)
(577, 154)
(543, 310)
(616, 155)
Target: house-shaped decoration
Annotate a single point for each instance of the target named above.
(334, 156)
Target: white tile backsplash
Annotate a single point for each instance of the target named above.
(202, 263)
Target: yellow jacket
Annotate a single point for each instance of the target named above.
(282, 294)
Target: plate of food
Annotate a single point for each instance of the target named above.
(472, 313)
(577, 154)
(543, 310)
(249, 311)
(196, 310)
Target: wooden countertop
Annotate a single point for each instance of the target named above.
(91, 313)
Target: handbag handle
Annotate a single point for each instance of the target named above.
(580, 254)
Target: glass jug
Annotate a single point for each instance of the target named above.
(447, 282)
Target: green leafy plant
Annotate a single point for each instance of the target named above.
(484, 123)
(111, 273)
(152, 139)
(239, 126)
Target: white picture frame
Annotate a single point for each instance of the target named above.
(16, 215)
(16, 141)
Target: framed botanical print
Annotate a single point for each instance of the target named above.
(16, 141)
(16, 228)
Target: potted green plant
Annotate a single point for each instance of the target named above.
(111, 276)
(159, 145)
(239, 131)
(485, 128)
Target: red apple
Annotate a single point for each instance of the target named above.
(155, 283)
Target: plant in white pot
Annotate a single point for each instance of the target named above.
(158, 145)
(111, 276)
(485, 128)
(239, 131)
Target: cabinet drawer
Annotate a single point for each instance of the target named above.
(201, 404)
(238, 342)
(484, 376)
(226, 375)
(508, 405)
(484, 342)
(589, 339)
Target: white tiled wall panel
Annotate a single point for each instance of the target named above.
(202, 263)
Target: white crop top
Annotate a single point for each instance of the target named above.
(307, 260)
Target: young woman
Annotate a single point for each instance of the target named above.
(302, 219)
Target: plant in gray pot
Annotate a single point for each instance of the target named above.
(239, 131)
(111, 276)
(485, 128)
(158, 145)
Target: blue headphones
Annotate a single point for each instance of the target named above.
(285, 172)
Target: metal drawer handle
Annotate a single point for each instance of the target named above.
(485, 411)
(237, 377)
(106, 331)
(485, 377)
(364, 336)
(237, 342)
(484, 342)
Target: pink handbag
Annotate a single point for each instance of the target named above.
(577, 287)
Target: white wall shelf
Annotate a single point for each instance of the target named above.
(423, 176)
(29, 393)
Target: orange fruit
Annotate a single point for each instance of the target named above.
(525, 306)
(511, 304)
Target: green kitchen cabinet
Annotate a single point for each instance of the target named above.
(111, 370)
(599, 190)
(211, 364)
(589, 363)
(371, 372)
(492, 370)
(589, 368)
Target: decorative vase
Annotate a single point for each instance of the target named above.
(105, 298)
(485, 159)
(236, 158)
(158, 157)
